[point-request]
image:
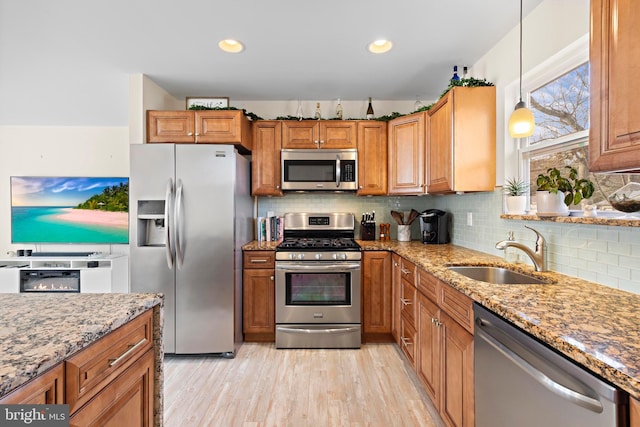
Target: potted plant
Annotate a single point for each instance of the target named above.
(556, 192)
(515, 190)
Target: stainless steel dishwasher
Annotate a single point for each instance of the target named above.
(521, 382)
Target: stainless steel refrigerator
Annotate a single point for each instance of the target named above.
(191, 212)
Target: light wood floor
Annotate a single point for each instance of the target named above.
(262, 386)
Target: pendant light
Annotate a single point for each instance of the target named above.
(521, 122)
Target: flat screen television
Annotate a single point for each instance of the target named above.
(78, 210)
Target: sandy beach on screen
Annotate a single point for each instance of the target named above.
(89, 216)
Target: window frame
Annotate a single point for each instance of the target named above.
(567, 59)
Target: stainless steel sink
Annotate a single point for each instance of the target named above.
(497, 275)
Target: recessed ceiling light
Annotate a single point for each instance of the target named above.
(380, 46)
(231, 45)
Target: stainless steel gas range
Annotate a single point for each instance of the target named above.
(318, 282)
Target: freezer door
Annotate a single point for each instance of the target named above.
(205, 181)
(151, 170)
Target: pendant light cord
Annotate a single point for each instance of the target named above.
(520, 50)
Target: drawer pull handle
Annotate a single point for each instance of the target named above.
(132, 348)
(405, 301)
(258, 261)
(406, 341)
(405, 271)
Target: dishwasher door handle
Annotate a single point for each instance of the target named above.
(580, 399)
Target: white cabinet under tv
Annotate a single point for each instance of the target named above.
(98, 273)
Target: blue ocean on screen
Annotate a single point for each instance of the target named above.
(46, 224)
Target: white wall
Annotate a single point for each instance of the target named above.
(59, 151)
(549, 28)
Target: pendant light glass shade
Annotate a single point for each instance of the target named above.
(521, 122)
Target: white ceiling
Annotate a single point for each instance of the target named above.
(73, 57)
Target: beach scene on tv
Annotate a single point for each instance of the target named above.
(69, 210)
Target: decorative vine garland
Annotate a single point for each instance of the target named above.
(468, 82)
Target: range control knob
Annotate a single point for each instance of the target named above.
(318, 256)
(341, 256)
(300, 256)
(292, 256)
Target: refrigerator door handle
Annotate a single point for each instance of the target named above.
(168, 198)
(178, 225)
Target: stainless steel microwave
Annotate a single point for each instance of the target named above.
(319, 169)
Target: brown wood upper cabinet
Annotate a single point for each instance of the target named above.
(614, 135)
(461, 141)
(265, 165)
(319, 134)
(372, 158)
(200, 127)
(406, 154)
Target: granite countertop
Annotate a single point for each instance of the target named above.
(594, 325)
(39, 331)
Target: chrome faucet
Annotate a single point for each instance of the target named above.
(539, 257)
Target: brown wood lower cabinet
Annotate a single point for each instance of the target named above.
(47, 388)
(127, 401)
(259, 318)
(376, 296)
(109, 383)
(440, 346)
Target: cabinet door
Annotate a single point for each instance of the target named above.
(338, 134)
(457, 393)
(223, 127)
(439, 147)
(265, 165)
(428, 363)
(396, 279)
(259, 316)
(46, 389)
(614, 136)
(372, 158)
(171, 126)
(300, 134)
(406, 154)
(376, 295)
(127, 401)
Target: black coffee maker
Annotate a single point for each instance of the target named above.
(434, 225)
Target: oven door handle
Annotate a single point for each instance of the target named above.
(318, 331)
(319, 267)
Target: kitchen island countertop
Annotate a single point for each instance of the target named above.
(595, 325)
(38, 331)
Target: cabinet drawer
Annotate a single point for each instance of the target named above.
(128, 400)
(259, 259)
(408, 271)
(458, 306)
(91, 369)
(428, 285)
(408, 340)
(408, 296)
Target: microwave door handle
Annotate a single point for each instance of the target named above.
(337, 170)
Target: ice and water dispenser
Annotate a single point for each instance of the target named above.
(151, 223)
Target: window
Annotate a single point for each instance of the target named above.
(558, 94)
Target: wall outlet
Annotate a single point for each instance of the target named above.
(469, 219)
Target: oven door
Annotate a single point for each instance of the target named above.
(317, 292)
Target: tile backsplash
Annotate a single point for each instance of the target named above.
(609, 255)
